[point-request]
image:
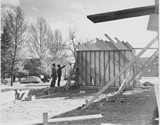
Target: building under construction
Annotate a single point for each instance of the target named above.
(100, 62)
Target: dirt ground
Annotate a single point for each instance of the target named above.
(135, 109)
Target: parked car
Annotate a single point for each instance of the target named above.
(4, 81)
(31, 79)
(45, 78)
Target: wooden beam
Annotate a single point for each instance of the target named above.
(75, 118)
(120, 73)
(70, 77)
(105, 45)
(127, 76)
(102, 44)
(157, 6)
(56, 120)
(121, 14)
(157, 90)
(45, 118)
(121, 44)
(149, 48)
(92, 46)
(44, 96)
(116, 45)
(81, 47)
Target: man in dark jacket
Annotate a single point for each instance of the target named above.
(59, 73)
(54, 76)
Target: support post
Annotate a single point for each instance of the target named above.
(157, 10)
(45, 118)
(103, 81)
(70, 77)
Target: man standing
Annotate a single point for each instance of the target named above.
(59, 73)
(54, 76)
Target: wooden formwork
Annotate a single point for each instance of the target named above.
(100, 62)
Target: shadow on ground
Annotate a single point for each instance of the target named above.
(137, 109)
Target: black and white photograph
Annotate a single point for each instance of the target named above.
(80, 62)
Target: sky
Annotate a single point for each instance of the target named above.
(63, 14)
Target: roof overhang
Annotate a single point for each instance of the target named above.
(121, 14)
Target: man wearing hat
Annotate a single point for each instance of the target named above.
(59, 73)
(54, 76)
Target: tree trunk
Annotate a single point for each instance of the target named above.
(12, 73)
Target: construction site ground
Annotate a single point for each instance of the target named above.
(137, 107)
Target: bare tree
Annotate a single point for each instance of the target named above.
(16, 27)
(44, 43)
(72, 38)
(57, 46)
(40, 38)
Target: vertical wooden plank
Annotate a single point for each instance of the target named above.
(95, 80)
(119, 67)
(130, 57)
(114, 66)
(91, 71)
(45, 118)
(99, 68)
(86, 68)
(90, 76)
(83, 69)
(78, 68)
(124, 63)
(109, 78)
(107, 63)
(82, 78)
(102, 67)
(111, 66)
(104, 70)
(93, 68)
